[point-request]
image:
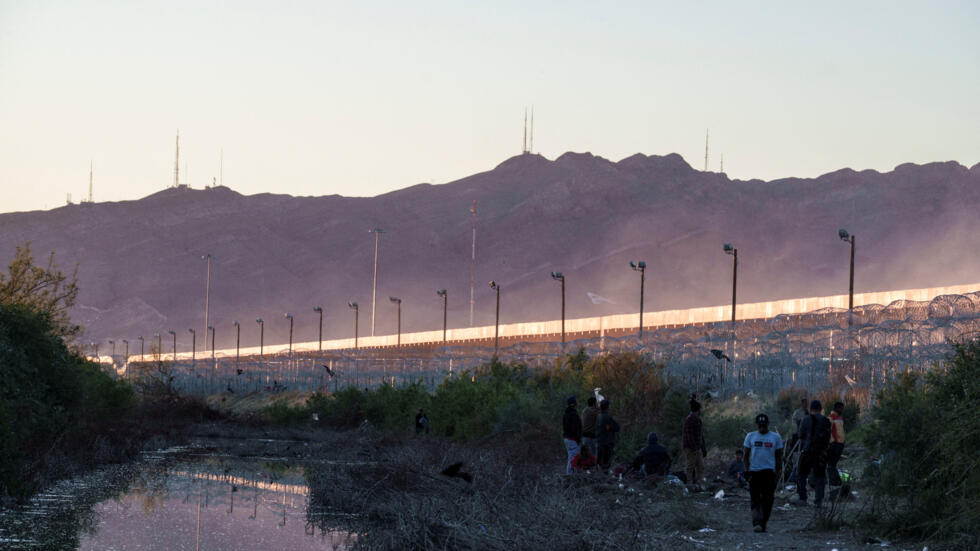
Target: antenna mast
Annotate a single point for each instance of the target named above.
(221, 167)
(177, 162)
(90, 182)
(705, 150)
(524, 143)
(722, 170)
(530, 148)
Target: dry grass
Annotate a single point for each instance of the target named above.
(401, 502)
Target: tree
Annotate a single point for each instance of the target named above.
(44, 290)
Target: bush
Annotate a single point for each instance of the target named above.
(47, 393)
(282, 414)
(926, 432)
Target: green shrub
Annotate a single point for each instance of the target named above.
(926, 432)
(46, 392)
(394, 408)
(282, 414)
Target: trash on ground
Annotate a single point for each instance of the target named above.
(720, 494)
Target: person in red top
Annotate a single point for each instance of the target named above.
(583, 460)
(836, 446)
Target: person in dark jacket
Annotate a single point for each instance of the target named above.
(571, 425)
(693, 443)
(653, 460)
(589, 415)
(421, 422)
(814, 437)
(606, 429)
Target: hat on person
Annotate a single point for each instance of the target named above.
(762, 419)
(571, 400)
(815, 405)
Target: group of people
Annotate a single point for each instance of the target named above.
(591, 437)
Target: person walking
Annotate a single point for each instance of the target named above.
(589, 415)
(814, 438)
(693, 443)
(836, 446)
(571, 425)
(763, 457)
(606, 429)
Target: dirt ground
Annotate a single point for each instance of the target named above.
(390, 489)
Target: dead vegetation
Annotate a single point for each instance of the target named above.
(400, 501)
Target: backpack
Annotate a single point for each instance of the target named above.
(820, 438)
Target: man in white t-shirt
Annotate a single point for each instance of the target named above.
(763, 456)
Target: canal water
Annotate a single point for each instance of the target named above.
(177, 499)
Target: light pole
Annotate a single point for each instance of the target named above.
(174, 334)
(194, 344)
(374, 287)
(641, 267)
(398, 301)
(353, 306)
(729, 249)
(445, 300)
(141, 348)
(207, 294)
(846, 237)
(289, 316)
(159, 346)
(557, 276)
(113, 343)
(320, 311)
(211, 329)
(127, 349)
(238, 341)
(261, 336)
(496, 322)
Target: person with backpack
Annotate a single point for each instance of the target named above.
(812, 467)
(606, 429)
(763, 457)
(571, 428)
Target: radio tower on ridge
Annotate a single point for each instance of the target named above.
(177, 162)
(706, 150)
(530, 147)
(524, 142)
(90, 165)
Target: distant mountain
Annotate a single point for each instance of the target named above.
(141, 270)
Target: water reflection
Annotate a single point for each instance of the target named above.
(185, 501)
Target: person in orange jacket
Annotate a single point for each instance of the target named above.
(836, 446)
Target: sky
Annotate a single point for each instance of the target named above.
(362, 98)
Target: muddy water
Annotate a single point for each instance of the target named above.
(192, 498)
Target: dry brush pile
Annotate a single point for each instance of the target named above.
(399, 500)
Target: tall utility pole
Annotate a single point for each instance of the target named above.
(473, 265)
(177, 162)
(207, 298)
(221, 167)
(90, 167)
(374, 287)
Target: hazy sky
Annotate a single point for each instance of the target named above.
(360, 98)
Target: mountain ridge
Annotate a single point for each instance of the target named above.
(141, 273)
